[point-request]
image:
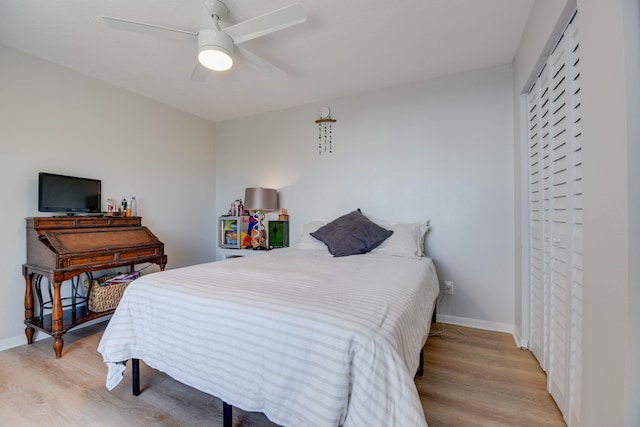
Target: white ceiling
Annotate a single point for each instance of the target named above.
(344, 47)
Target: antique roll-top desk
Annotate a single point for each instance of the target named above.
(63, 248)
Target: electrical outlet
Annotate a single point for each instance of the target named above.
(448, 287)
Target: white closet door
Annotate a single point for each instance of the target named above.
(575, 294)
(546, 213)
(559, 205)
(555, 190)
(539, 126)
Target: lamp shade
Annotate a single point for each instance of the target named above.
(265, 199)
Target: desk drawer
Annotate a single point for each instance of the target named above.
(140, 253)
(92, 222)
(87, 260)
(129, 220)
(53, 223)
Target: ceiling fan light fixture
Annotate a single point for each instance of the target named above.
(214, 58)
(215, 49)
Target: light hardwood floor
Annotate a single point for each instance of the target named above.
(480, 380)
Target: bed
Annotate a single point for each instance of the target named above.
(301, 335)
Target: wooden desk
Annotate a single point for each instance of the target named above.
(63, 248)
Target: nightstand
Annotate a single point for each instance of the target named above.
(234, 253)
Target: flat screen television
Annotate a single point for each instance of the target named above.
(68, 194)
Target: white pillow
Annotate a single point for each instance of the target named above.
(406, 241)
(307, 241)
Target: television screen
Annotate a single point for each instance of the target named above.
(60, 193)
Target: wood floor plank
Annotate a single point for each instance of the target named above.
(480, 378)
(472, 378)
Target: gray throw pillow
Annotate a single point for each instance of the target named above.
(351, 234)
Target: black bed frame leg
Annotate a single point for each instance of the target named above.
(226, 414)
(227, 409)
(135, 373)
(421, 364)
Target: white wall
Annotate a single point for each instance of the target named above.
(440, 150)
(608, 358)
(56, 120)
(631, 25)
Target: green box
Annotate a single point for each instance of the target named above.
(278, 234)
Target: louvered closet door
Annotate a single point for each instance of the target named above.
(539, 126)
(559, 205)
(555, 186)
(575, 292)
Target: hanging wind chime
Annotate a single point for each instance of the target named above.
(325, 131)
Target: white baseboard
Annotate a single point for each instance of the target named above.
(475, 323)
(21, 339)
(443, 318)
(485, 325)
(520, 342)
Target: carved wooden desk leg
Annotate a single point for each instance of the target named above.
(56, 320)
(28, 307)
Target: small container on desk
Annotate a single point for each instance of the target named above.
(278, 233)
(233, 231)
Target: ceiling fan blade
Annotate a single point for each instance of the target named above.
(267, 23)
(199, 73)
(257, 63)
(141, 27)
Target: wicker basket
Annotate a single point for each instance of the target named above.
(104, 298)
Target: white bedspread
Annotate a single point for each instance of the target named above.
(305, 338)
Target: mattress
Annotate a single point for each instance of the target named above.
(306, 338)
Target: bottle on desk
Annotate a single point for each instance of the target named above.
(133, 207)
(111, 206)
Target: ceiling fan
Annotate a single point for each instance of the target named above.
(217, 47)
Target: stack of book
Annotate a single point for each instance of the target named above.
(121, 278)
